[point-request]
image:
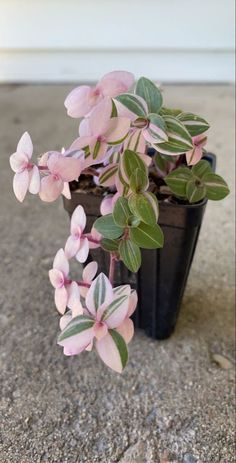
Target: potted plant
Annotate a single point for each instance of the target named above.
(135, 163)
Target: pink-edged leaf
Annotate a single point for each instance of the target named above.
(95, 238)
(25, 145)
(74, 299)
(100, 294)
(66, 190)
(89, 272)
(77, 102)
(61, 262)
(83, 251)
(61, 298)
(112, 350)
(20, 184)
(81, 142)
(135, 141)
(126, 330)
(133, 300)
(84, 128)
(77, 335)
(116, 82)
(116, 312)
(51, 188)
(18, 162)
(56, 278)
(72, 246)
(194, 156)
(100, 117)
(100, 330)
(106, 206)
(78, 220)
(117, 129)
(108, 175)
(67, 168)
(34, 181)
(64, 320)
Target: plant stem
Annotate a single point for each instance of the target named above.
(112, 268)
(90, 171)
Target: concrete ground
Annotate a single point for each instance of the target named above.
(175, 400)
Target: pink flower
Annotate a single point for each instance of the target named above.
(77, 244)
(62, 169)
(27, 175)
(67, 292)
(82, 99)
(193, 156)
(99, 131)
(106, 311)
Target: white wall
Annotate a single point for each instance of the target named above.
(74, 40)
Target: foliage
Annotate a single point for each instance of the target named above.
(117, 126)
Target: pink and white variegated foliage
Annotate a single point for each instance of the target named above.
(126, 136)
(94, 314)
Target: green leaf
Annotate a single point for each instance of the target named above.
(195, 190)
(179, 140)
(133, 221)
(114, 112)
(75, 326)
(130, 161)
(130, 254)
(121, 212)
(109, 245)
(194, 124)
(177, 180)
(170, 112)
(121, 346)
(201, 168)
(147, 236)
(144, 207)
(150, 93)
(107, 227)
(139, 180)
(157, 128)
(132, 103)
(216, 187)
(162, 165)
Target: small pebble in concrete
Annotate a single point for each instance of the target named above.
(189, 458)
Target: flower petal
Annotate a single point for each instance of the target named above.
(78, 220)
(116, 82)
(77, 102)
(25, 145)
(34, 184)
(83, 252)
(20, 184)
(112, 350)
(61, 262)
(100, 294)
(72, 246)
(61, 298)
(126, 330)
(90, 271)
(51, 188)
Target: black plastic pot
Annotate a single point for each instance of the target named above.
(162, 278)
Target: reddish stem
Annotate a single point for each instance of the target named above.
(79, 283)
(90, 171)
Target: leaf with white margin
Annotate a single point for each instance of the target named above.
(113, 351)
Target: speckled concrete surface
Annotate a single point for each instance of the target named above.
(173, 403)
